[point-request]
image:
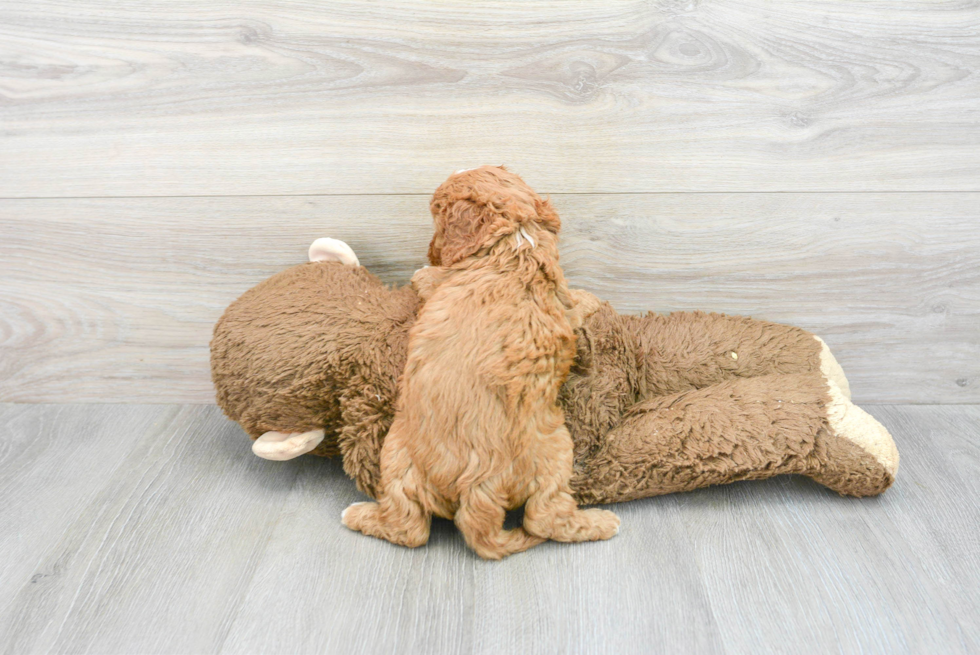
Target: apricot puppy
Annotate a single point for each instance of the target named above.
(477, 428)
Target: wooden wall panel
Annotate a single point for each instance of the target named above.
(114, 299)
(156, 98)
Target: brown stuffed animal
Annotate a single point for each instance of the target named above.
(307, 361)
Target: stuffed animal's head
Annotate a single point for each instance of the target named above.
(474, 209)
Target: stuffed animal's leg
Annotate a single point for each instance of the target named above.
(396, 517)
(741, 429)
(280, 446)
(691, 350)
(550, 511)
(481, 520)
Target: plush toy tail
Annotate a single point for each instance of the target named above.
(325, 250)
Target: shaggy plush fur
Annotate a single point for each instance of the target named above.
(318, 346)
(477, 430)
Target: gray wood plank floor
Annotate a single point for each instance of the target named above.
(152, 529)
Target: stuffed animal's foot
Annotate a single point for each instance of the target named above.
(832, 370)
(850, 422)
(859, 456)
(326, 250)
(280, 446)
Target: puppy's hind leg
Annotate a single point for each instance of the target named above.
(551, 512)
(481, 520)
(396, 517)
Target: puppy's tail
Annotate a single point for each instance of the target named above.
(481, 520)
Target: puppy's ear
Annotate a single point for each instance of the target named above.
(464, 227)
(435, 250)
(547, 216)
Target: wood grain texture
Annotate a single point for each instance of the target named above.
(158, 559)
(181, 98)
(114, 299)
(56, 458)
(185, 542)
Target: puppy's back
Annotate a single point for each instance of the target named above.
(486, 355)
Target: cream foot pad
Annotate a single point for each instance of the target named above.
(831, 369)
(850, 422)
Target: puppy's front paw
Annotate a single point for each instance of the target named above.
(356, 514)
(584, 305)
(426, 279)
(606, 523)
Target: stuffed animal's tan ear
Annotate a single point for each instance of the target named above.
(326, 249)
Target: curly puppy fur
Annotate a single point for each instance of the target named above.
(477, 428)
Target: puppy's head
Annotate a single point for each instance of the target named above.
(474, 209)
